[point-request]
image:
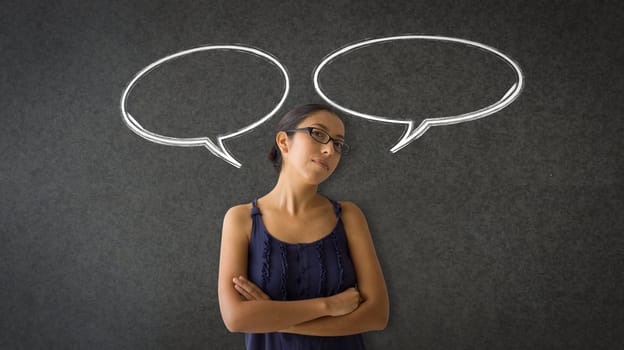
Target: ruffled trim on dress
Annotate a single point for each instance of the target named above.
(339, 259)
(266, 247)
(266, 258)
(284, 269)
(320, 253)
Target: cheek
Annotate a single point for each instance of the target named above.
(299, 152)
(304, 149)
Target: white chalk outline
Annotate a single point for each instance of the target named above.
(219, 149)
(410, 133)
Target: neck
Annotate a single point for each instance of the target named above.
(291, 196)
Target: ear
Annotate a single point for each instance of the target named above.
(281, 139)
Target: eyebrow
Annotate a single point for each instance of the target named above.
(327, 129)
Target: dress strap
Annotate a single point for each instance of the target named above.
(255, 210)
(336, 205)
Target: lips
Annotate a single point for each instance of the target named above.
(321, 163)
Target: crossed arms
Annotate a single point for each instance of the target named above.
(246, 308)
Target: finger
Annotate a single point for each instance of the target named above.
(243, 293)
(243, 283)
(262, 295)
(251, 288)
(239, 285)
(257, 293)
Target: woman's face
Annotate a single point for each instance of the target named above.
(312, 160)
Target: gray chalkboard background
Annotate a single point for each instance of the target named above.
(501, 233)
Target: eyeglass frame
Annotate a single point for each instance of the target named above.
(309, 130)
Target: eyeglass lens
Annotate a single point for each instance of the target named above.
(322, 137)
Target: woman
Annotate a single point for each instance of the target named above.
(283, 279)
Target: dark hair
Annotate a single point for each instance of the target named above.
(290, 120)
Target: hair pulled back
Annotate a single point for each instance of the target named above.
(290, 120)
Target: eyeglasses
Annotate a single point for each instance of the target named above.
(323, 137)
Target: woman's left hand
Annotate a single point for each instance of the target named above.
(248, 289)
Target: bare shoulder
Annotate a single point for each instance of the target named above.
(350, 208)
(239, 210)
(352, 215)
(238, 219)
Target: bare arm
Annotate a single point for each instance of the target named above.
(373, 312)
(263, 315)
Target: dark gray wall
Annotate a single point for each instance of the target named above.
(502, 233)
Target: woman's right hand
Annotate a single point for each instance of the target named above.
(344, 302)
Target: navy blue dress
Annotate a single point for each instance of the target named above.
(295, 271)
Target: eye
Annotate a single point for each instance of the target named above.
(341, 147)
(318, 133)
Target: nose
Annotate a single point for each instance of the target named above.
(328, 148)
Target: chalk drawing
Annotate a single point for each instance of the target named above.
(217, 148)
(412, 132)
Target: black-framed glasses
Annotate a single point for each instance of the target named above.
(320, 136)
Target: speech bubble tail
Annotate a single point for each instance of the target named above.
(221, 152)
(410, 135)
(511, 90)
(133, 121)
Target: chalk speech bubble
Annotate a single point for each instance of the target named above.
(218, 148)
(411, 133)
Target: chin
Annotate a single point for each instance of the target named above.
(315, 179)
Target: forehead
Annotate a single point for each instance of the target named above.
(325, 120)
